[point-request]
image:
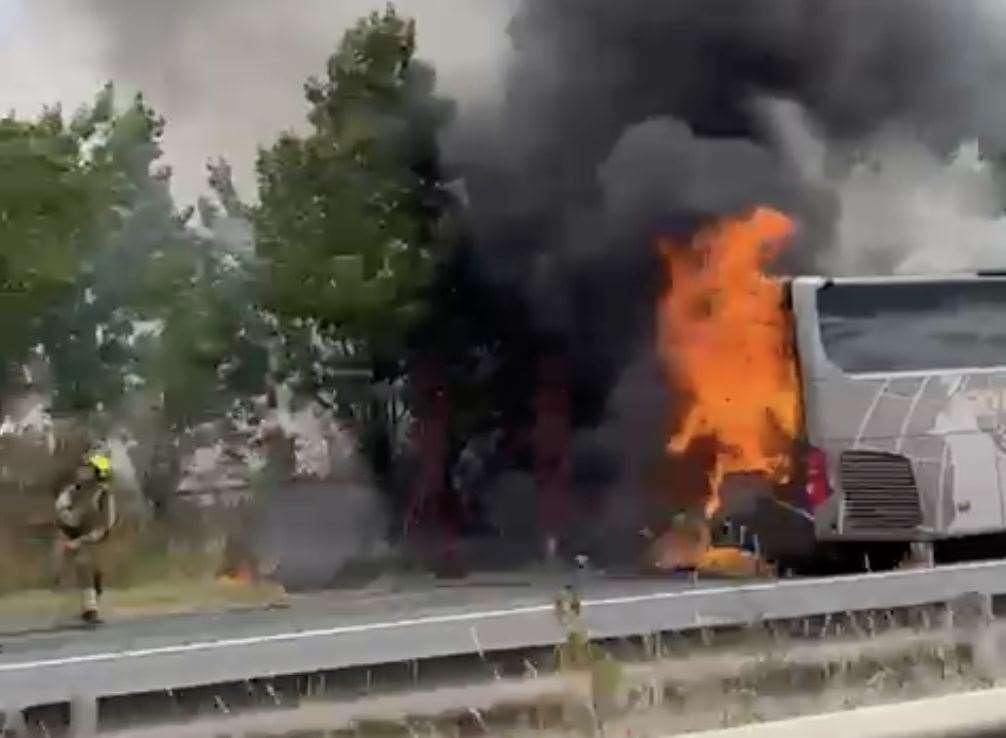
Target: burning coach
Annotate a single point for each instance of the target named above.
(856, 421)
(902, 382)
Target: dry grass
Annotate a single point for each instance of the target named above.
(145, 574)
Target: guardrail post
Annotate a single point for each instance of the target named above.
(12, 723)
(83, 717)
(921, 553)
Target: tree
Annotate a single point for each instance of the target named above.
(369, 271)
(89, 340)
(56, 205)
(158, 305)
(108, 286)
(351, 222)
(210, 351)
(90, 245)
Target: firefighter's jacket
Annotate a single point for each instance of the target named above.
(86, 511)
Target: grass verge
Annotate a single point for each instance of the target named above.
(41, 609)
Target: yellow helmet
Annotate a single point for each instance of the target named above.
(102, 465)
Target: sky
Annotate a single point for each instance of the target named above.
(227, 74)
(8, 13)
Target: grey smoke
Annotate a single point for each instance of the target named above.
(626, 120)
(894, 204)
(589, 85)
(312, 531)
(620, 113)
(660, 166)
(227, 74)
(907, 210)
(631, 441)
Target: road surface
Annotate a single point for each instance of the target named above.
(314, 631)
(333, 631)
(412, 600)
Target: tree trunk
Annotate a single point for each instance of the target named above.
(432, 507)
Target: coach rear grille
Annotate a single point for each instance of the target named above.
(880, 491)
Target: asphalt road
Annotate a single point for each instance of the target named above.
(413, 619)
(408, 600)
(364, 628)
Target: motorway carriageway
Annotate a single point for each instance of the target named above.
(341, 630)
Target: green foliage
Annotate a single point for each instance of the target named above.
(146, 260)
(576, 652)
(348, 221)
(55, 207)
(209, 352)
(606, 686)
(351, 241)
(91, 247)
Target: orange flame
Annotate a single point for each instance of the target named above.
(726, 341)
(688, 546)
(236, 576)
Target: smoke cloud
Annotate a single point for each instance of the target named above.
(623, 120)
(227, 74)
(906, 210)
(891, 203)
(618, 114)
(627, 120)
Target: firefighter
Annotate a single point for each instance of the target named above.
(85, 514)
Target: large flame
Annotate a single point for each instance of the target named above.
(726, 342)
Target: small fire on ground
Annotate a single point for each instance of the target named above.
(725, 340)
(687, 546)
(238, 576)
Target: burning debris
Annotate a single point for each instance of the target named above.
(688, 546)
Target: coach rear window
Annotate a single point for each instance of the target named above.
(909, 327)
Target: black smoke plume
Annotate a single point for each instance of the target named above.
(628, 119)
